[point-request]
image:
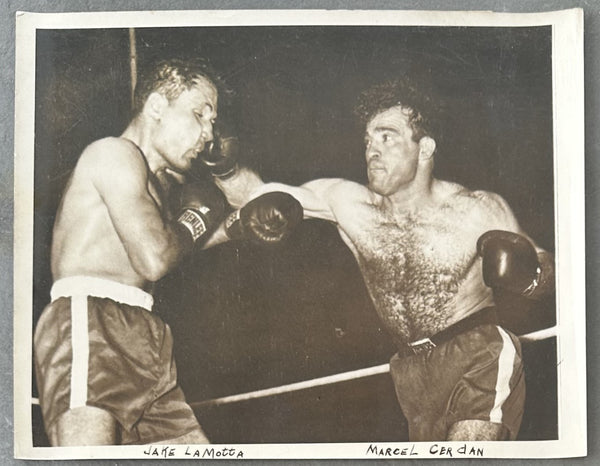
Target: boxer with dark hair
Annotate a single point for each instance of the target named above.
(104, 362)
(431, 252)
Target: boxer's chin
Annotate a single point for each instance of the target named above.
(186, 162)
(376, 187)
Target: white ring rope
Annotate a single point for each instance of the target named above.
(292, 387)
(539, 335)
(331, 379)
(341, 377)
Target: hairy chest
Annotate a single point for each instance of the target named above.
(414, 265)
(439, 241)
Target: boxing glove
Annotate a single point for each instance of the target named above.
(221, 155)
(202, 208)
(269, 218)
(509, 262)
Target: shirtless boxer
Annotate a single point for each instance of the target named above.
(104, 362)
(430, 252)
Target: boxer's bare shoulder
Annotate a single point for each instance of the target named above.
(489, 211)
(107, 168)
(110, 157)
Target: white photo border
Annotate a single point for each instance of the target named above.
(568, 120)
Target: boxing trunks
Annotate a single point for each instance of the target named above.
(471, 371)
(98, 344)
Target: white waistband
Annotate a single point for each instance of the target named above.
(101, 288)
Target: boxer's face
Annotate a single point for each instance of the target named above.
(186, 125)
(392, 154)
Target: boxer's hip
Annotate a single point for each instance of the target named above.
(471, 370)
(97, 344)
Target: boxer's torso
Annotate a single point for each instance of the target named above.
(420, 266)
(85, 241)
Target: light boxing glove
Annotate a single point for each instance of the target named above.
(509, 262)
(202, 208)
(221, 155)
(269, 218)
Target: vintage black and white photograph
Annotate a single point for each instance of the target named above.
(333, 235)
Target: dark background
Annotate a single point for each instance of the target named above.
(246, 318)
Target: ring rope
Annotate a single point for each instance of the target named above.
(331, 379)
(341, 377)
(292, 387)
(539, 335)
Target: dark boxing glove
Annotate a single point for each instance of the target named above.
(202, 208)
(221, 155)
(267, 219)
(510, 262)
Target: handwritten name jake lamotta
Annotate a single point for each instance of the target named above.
(164, 451)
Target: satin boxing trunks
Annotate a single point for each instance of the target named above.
(476, 374)
(98, 344)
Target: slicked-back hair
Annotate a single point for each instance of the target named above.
(422, 109)
(170, 78)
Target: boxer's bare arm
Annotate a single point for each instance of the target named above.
(239, 187)
(319, 199)
(121, 177)
(499, 216)
(316, 196)
(217, 237)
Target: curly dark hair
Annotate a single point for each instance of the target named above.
(405, 93)
(171, 77)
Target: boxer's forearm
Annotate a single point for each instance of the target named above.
(238, 188)
(314, 196)
(217, 237)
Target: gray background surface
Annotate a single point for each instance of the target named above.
(592, 57)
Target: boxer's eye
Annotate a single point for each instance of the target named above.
(205, 114)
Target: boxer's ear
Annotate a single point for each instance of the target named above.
(155, 104)
(426, 147)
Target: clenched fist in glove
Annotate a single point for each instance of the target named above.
(221, 156)
(267, 219)
(202, 208)
(510, 262)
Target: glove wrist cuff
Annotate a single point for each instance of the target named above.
(194, 222)
(534, 283)
(233, 225)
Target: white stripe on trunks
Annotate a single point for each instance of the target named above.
(81, 349)
(506, 362)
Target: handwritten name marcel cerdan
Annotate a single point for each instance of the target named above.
(433, 449)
